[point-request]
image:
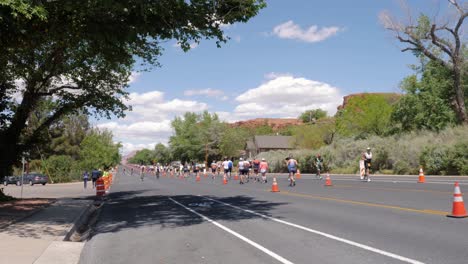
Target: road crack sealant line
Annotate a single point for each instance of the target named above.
(346, 241)
(232, 232)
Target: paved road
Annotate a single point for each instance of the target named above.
(388, 220)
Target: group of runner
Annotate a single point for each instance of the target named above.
(248, 170)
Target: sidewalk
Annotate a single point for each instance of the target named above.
(38, 238)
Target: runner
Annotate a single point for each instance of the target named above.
(263, 170)
(214, 168)
(247, 168)
(196, 169)
(292, 168)
(131, 171)
(142, 172)
(362, 167)
(230, 167)
(186, 170)
(367, 164)
(158, 170)
(225, 167)
(243, 170)
(318, 164)
(256, 167)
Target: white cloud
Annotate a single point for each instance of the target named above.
(128, 147)
(150, 119)
(289, 30)
(134, 76)
(287, 96)
(208, 92)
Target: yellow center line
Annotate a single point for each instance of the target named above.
(391, 189)
(423, 211)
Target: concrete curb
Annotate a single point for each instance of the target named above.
(79, 220)
(35, 211)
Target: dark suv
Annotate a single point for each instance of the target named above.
(10, 180)
(34, 178)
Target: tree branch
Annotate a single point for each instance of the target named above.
(438, 42)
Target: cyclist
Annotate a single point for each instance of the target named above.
(292, 169)
(367, 164)
(263, 169)
(318, 164)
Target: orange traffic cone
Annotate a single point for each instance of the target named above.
(421, 179)
(458, 208)
(298, 175)
(274, 186)
(224, 180)
(328, 181)
(198, 177)
(236, 177)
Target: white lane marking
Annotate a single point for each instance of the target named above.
(349, 242)
(258, 246)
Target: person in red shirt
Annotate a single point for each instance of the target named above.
(263, 166)
(256, 168)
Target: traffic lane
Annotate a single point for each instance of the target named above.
(140, 225)
(402, 195)
(59, 190)
(291, 243)
(425, 237)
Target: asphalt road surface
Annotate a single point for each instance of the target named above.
(391, 219)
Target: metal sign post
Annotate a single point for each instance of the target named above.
(22, 176)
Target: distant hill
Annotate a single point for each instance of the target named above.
(274, 123)
(389, 97)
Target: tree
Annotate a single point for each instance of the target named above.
(144, 157)
(233, 141)
(363, 115)
(425, 103)
(99, 151)
(310, 116)
(440, 42)
(162, 154)
(81, 54)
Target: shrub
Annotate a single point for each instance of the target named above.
(61, 168)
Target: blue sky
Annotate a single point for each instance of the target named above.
(295, 55)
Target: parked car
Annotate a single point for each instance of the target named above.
(34, 178)
(11, 180)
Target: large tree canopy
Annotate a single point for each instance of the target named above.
(80, 53)
(443, 42)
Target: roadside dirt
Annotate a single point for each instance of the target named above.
(12, 211)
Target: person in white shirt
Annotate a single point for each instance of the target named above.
(367, 163)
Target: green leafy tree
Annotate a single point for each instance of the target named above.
(81, 54)
(162, 154)
(311, 116)
(144, 157)
(233, 141)
(426, 103)
(99, 151)
(363, 115)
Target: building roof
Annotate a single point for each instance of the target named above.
(274, 142)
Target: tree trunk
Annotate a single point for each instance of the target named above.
(10, 145)
(460, 109)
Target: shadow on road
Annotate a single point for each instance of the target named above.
(127, 210)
